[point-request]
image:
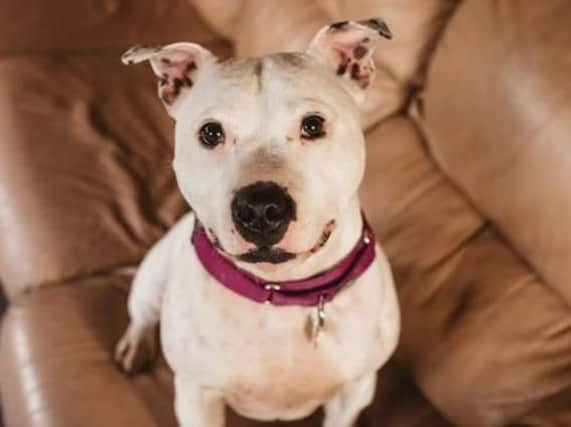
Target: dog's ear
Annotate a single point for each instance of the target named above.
(347, 48)
(176, 67)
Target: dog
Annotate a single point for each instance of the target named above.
(272, 294)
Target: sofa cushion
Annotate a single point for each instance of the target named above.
(420, 216)
(85, 177)
(56, 367)
(85, 183)
(495, 345)
(497, 110)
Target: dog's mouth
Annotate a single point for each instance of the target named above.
(266, 254)
(276, 255)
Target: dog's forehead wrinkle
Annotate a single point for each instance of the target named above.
(258, 70)
(241, 68)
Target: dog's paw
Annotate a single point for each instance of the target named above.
(136, 350)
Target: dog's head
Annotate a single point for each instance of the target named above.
(269, 151)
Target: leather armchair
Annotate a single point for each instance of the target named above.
(466, 186)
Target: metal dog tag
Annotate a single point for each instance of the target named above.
(319, 319)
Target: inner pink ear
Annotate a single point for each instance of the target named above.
(174, 72)
(348, 47)
(355, 59)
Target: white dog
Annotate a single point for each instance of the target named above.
(273, 296)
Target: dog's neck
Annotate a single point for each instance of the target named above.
(347, 231)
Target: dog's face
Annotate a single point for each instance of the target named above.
(269, 151)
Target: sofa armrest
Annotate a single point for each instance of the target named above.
(56, 366)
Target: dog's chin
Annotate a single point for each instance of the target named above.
(266, 254)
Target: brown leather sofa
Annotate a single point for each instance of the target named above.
(467, 186)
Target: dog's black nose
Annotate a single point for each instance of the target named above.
(262, 212)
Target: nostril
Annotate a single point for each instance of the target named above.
(246, 213)
(273, 213)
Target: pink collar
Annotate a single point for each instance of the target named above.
(312, 291)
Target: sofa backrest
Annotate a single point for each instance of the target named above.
(72, 26)
(497, 113)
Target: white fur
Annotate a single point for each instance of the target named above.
(223, 348)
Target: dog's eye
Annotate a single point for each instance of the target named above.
(312, 127)
(211, 134)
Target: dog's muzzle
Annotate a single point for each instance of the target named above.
(262, 212)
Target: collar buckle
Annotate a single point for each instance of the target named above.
(271, 288)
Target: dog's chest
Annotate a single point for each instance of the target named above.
(263, 357)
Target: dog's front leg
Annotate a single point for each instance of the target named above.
(139, 345)
(344, 408)
(196, 406)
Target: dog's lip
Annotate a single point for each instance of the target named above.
(266, 254)
(275, 255)
(324, 237)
